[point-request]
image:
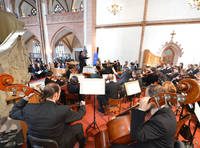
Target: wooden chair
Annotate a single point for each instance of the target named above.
(69, 96)
(114, 105)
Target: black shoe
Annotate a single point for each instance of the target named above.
(101, 110)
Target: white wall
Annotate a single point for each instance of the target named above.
(186, 35)
(132, 10)
(170, 9)
(119, 43)
(123, 43)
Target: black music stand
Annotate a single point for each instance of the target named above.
(92, 86)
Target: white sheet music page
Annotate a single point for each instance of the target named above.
(197, 111)
(132, 87)
(92, 86)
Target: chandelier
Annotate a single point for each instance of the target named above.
(115, 8)
(195, 4)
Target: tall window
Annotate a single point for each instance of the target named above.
(60, 51)
(36, 51)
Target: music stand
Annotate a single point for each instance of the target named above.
(132, 88)
(92, 86)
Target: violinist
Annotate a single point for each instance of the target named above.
(46, 120)
(159, 130)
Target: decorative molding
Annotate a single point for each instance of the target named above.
(151, 23)
(65, 17)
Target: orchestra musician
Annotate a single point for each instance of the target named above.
(46, 120)
(158, 131)
(113, 91)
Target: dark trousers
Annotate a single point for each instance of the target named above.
(121, 146)
(102, 100)
(73, 134)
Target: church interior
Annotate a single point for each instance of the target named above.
(104, 56)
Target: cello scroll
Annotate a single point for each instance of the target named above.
(6, 84)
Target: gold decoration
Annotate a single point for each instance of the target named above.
(195, 4)
(115, 8)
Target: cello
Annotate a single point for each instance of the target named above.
(18, 92)
(118, 129)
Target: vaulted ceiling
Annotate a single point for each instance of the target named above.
(25, 6)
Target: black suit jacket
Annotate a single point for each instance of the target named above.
(46, 120)
(112, 90)
(157, 132)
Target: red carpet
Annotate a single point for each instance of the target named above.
(102, 120)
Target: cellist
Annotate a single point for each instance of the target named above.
(47, 120)
(159, 130)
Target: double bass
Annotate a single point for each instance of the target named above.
(118, 129)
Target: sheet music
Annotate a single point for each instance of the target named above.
(197, 111)
(89, 69)
(132, 87)
(92, 86)
(38, 83)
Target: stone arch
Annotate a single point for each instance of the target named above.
(61, 30)
(67, 40)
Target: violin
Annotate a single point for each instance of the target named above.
(6, 84)
(118, 129)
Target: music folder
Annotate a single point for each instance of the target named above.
(132, 87)
(92, 86)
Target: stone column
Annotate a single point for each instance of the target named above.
(89, 28)
(42, 10)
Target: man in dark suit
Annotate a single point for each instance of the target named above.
(82, 61)
(47, 120)
(124, 77)
(158, 131)
(112, 91)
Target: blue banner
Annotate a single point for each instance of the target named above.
(95, 58)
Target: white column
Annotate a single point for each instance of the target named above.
(89, 27)
(48, 50)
